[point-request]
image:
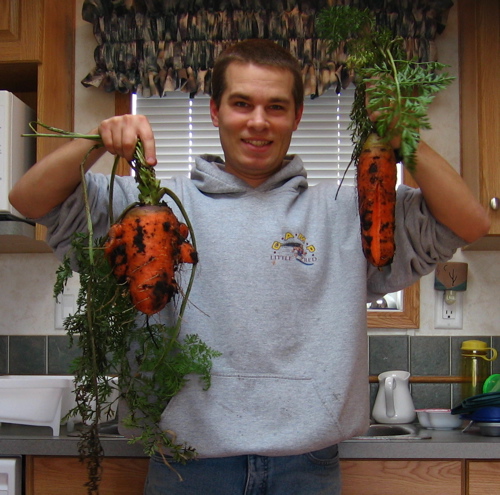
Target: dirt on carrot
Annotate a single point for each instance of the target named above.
(145, 249)
(376, 182)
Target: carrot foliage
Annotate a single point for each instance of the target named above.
(148, 357)
(400, 89)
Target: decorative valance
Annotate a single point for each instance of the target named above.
(155, 46)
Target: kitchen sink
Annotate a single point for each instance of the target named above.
(392, 432)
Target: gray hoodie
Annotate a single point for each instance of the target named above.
(281, 291)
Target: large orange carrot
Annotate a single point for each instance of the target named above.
(144, 250)
(376, 182)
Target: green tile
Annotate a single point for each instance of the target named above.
(61, 355)
(4, 355)
(388, 353)
(431, 395)
(430, 356)
(27, 355)
(495, 365)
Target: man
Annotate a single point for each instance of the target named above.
(291, 381)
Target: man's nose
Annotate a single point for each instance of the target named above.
(258, 119)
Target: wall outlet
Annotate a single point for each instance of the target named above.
(448, 315)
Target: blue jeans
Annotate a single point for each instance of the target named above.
(315, 473)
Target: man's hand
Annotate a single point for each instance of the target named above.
(121, 133)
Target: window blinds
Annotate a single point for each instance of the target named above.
(183, 130)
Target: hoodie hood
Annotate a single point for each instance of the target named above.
(210, 177)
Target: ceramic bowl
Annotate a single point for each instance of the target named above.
(438, 419)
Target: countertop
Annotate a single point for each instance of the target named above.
(435, 444)
(451, 444)
(38, 440)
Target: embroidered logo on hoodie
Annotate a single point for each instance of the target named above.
(293, 247)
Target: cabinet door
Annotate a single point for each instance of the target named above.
(67, 475)
(411, 477)
(484, 477)
(479, 27)
(20, 30)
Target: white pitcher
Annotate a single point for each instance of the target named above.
(393, 403)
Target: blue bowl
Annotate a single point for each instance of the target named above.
(488, 414)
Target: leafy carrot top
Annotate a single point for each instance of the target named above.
(400, 89)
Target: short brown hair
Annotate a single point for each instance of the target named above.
(258, 52)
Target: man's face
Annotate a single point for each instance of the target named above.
(256, 119)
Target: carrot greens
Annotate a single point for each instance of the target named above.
(148, 357)
(400, 89)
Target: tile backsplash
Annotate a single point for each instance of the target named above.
(36, 355)
(421, 356)
(424, 356)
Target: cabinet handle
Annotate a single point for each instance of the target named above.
(494, 203)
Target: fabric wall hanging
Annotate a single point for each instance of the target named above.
(152, 47)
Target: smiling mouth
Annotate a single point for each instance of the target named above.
(257, 142)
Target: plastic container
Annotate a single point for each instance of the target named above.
(492, 384)
(45, 400)
(488, 414)
(438, 419)
(33, 399)
(475, 366)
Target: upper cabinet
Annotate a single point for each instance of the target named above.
(37, 53)
(479, 27)
(20, 31)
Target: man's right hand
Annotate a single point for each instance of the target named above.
(121, 133)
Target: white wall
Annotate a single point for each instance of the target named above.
(27, 280)
(26, 302)
(481, 301)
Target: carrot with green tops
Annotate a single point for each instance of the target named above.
(145, 249)
(400, 90)
(376, 183)
(147, 245)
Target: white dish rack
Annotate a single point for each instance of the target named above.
(33, 399)
(41, 400)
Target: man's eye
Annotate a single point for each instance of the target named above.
(241, 104)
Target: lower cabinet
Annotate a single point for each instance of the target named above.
(483, 477)
(50, 475)
(398, 477)
(67, 475)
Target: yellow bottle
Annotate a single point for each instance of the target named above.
(475, 366)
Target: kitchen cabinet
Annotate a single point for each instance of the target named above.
(47, 475)
(479, 28)
(37, 53)
(20, 30)
(395, 477)
(483, 477)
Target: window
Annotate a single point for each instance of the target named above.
(184, 130)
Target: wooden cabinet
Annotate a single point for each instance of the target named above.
(20, 30)
(396, 477)
(479, 28)
(37, 53)
(52, 475)
(67, 475)
(483, 477)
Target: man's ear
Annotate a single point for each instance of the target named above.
(214, 112)
(298, 116)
